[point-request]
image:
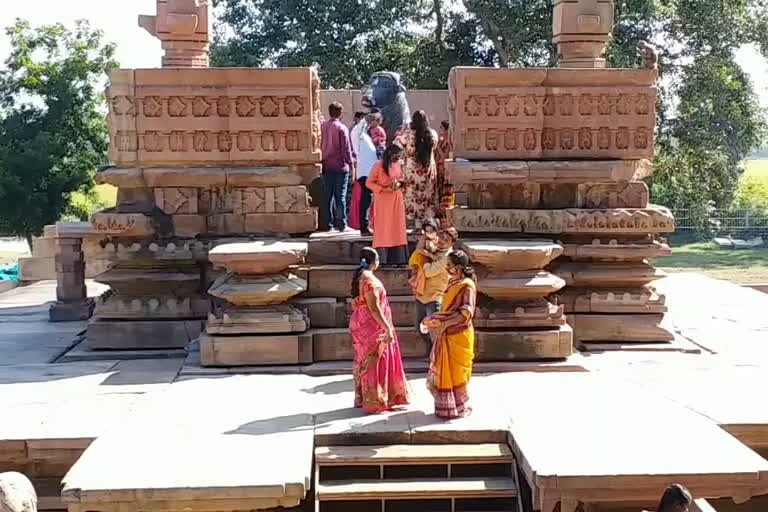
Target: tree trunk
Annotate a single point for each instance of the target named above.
(438, 7)
(28, 236)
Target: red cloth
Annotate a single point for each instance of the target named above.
(354, 208)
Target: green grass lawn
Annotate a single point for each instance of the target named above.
(757, 168)
(741, 266)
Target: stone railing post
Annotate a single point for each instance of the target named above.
(72, 302)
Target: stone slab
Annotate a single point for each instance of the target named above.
(621, 328)
(335, 280)
(504, 255)
(259, 257)
(257, 290)
(151, 252)
(71, 311)
(209, 177)
(250, 350)
(198, 119)
(43, 247)
(82, 352)
(181, 280)
(510, 114)
(553, 195)
(141, 334)
(281, 223)
(655, 219)
(464, 172)
(322, 311)
(403, 311)
(282, 318)
(519, 286)
(334, 248)
(524, 344)
(37, 268)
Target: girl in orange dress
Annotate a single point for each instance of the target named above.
(390, 238)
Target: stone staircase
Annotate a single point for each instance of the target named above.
(393, 478)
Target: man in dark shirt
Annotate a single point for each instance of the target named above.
(338, 162)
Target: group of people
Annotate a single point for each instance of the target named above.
(445, 292)
(400, 182)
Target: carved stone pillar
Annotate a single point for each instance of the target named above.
(581, 30)
(184, 28)
(72, 302)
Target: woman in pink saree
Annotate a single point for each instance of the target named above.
(380, 383)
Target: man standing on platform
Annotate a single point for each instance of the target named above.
(429, 301)
(338, 162)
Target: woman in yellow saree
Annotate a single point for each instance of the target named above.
(450, 366)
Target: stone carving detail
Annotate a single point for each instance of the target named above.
(270, 200)
(651, 220)
(183, 27)
(176, 200)
(125, 224)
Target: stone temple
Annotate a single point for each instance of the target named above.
(214, 239)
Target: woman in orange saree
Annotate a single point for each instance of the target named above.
(450, 365)
(379, 375)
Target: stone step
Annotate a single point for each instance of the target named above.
(417, 489)
(336, 280)
(411, 454)
(334, 248)
(648, 328)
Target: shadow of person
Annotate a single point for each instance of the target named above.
(332, 388)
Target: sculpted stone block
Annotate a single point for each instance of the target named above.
(613, 195)
(322, 311)
(149, 252)
(257, 290)
(614, 250)
(607, 274)
(156, 307)
(176, 200)
(261, 257)
(184, 27)
(612, 300)
(270, 200)
(214, 117)
(582, 29)
(186, 177)
(335, 281)
(122, 224)
(621, 328)
(281, 223)
(282, 318)
(121, 178)
(519, 286)
(506, 114)
(567, 171)
(485, 196)
(502, 255)
(654, 219)
(554, 343)
(500, 315)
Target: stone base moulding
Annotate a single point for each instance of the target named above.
(524, 345)
(519, 286)
(261, 257)
(477, 172)
(612, 300)
(141, 334)
(270, 349)
(504, 315)
(501, 255)
(71, 311)
(209, 177)
(257, 290)
(282, 318)
(636, 328)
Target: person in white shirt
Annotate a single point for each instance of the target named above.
(366, 159)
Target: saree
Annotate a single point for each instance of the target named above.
(450, 366)
(379, 375)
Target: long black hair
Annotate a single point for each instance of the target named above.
(390, 155)
(368, 256)
(674, 496)
(463, 263)
(424, 142)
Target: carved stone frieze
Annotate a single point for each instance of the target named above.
(499, 315)
(194, 117)
(270, 200)
(539, 114)
(606, 274)
(615, 250)
(554, 171)
(176, 200)
(655, 219)
(612, 300)
(557, 195)
(122, 224)
(116, 306)
(281, 318)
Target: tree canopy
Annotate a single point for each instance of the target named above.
(708, 116)
(53, 133)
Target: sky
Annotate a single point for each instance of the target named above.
(137, 49)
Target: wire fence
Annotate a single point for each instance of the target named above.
(725, 221)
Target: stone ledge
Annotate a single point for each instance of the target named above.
(532, 171)
(655, 219)
(209, 177)
(503, 255)
(261, 257)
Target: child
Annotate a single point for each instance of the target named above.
(424, 253)
(377, 133)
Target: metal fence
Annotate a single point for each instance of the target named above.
(725, 221)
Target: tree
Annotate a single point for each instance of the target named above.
(53, 132)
